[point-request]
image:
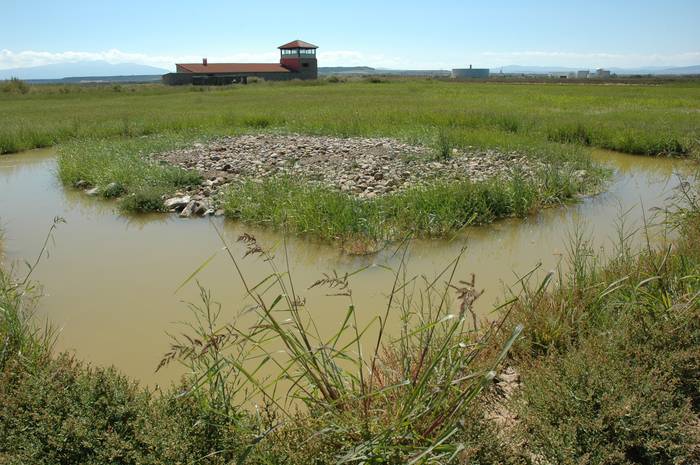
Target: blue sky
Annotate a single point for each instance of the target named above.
(398, 34)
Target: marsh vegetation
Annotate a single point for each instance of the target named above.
(594, 362)
(606, 358)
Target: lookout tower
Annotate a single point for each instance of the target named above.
(300, 56)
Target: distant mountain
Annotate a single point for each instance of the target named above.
(655, 70)
(681, 70)
(329, 70)
(85, 68)
(366, 70)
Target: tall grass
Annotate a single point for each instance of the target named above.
(644, 119)
(19, 334)
(122, 168)
(610, 358)
(437, 209)
(387, 397)
(14, 85)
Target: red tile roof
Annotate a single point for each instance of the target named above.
(297, 44)
(232, 68)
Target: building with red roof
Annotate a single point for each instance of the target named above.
(297, 61)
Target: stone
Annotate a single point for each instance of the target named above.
(199, 208)
(81, 184)
(188, 210)
(93, 191)
(177, 203)
(354, 165)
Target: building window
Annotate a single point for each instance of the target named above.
(305, 65)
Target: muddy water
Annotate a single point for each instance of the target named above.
(109, 283)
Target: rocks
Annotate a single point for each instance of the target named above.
(113, 190)
(81, 184)
(93, 191)
(362, 167)
(194, 207)
(177, 203)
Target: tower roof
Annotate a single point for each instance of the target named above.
(297, 44)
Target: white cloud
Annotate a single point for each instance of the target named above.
(27, 58)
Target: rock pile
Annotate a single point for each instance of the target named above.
(362, 167)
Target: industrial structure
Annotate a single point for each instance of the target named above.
(297, 61)
(470, 73)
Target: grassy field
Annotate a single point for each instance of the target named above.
(105, 132)
(644, 119)
(608, 358)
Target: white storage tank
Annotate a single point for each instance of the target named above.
(470, 73)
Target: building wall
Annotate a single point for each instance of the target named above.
(307, 69)
(471, 73)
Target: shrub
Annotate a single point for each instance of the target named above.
(113, 190)
(574, 134)
(443, 145)
(15, 85)
(63, 412)
(592, 405)
(375, 80)
(257, 122)
(144, 201)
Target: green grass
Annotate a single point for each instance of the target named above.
(645, 119)
(609, 357)
(436, 210)
(120, 168)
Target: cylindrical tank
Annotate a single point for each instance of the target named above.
(470, 73)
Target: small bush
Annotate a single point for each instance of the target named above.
(15, 85)
(146, 201)
(63, 412)
(508, 124)
(113, 190)
(375, 80)
(592, 405)
(257, 122)
(576, 134)
(443, 145)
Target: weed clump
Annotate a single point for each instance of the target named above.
(122, 166)
(592, 404)
(257, 122)
(113, 190)
(144, 201)
(14, 85)
(443, 146)
(576, 134)
(432, 210)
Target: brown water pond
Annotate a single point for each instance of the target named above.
(109, 283)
